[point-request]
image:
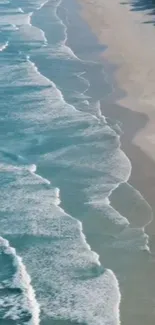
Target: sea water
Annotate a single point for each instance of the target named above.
(59, 163)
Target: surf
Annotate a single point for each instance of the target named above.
(21, 280)
(61, 145)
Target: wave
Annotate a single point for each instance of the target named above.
(62, 47)
(20, 280)
(11, 157)
(21, 10)
(95, 199)
(65, 49)
(68, 277)
(65, 271)
(98, 114)
(33, 169)
(57, 94)
(42, 4)
(4, 46)
(15, 19)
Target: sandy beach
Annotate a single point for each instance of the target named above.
(131, 48)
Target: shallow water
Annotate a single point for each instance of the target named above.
(56, 145)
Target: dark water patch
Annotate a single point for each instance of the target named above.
(7, 271)
(7, 321)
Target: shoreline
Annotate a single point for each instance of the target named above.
(135, 73)
(94, 233)
(137, 283)
(133, 113)
(132, 269)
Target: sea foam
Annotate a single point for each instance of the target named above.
(20, 280)
(68, 278)
(68, 257)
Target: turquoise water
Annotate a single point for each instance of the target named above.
(59, 162)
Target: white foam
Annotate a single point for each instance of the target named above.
(21, 280)
(66, 49)
(14, 19)
(70, 157)
(33, 169)
(4, 46)
(133, 239)
(14, 27)
(97, 298)
(102, 206)
(60, 266)
(95, 255)
(61, 49)
(42, 5)
(48, 81)
(21, 10)
(29, 18)
(56, 91)
(80, 75)
(31, 33)
(9, 27)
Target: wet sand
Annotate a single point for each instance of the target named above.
(134, 110)
(131, 47)
(134, 269)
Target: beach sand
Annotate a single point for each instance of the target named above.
(134, 269)
(131, 48)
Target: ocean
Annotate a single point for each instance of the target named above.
(60, 160)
